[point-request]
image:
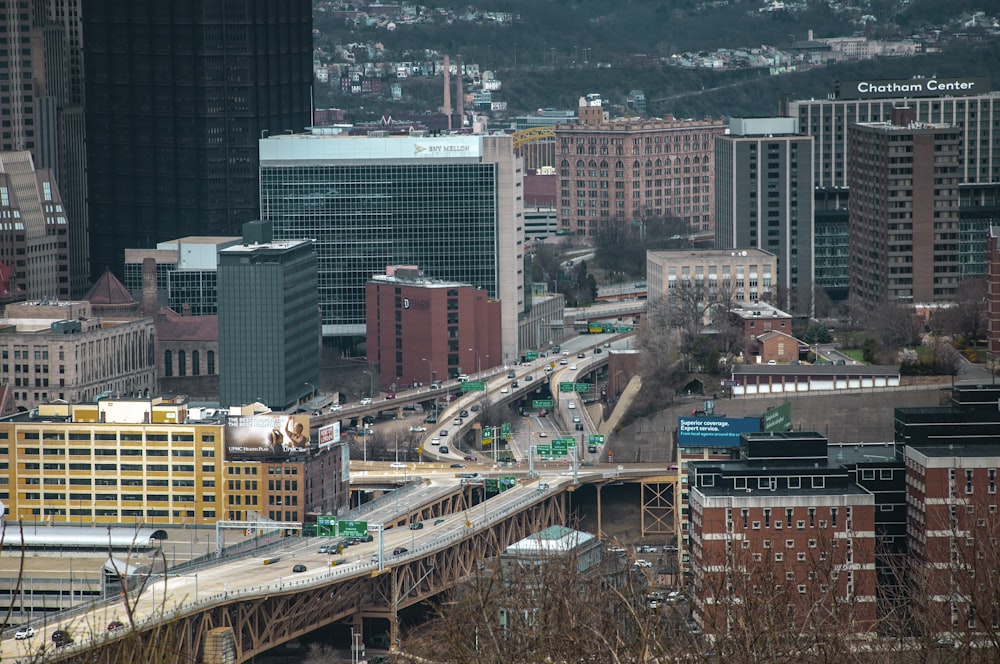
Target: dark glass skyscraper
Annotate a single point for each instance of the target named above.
(178, 93)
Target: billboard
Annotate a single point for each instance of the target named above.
(714, 431)
(266, 436)
(329, 435)
(913, 87)
(778, 418)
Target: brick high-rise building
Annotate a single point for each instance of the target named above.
(904, 179)
(178, 96)
(627, 169)
(993, 293)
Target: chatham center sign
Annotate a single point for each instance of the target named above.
(912, 87)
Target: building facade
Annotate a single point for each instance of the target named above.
(632, 169)
(786, 519)
(172, 125)
(42, 110)
(35, 230)
(741, 276)
(269, 328)
(156, 461)
(904, 235)
(450, 204)
(831, 243)
(993, 293)
(423, 329)
(60, 350)
(764, 199)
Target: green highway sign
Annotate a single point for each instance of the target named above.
(565, 387)
(492, 485)
(507, 482)
(473, 386)
(326, 525)
(623, 328)
(488, 433)
(541, 403)
(583, 387)
(352, 528)
(505, 430)
(595, 439)
(531, 355)
(563, 442)
(543, 450)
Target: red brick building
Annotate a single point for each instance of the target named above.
(993, 293)
(757, 318)
(783, 531)
(634, 168)
(421, 329)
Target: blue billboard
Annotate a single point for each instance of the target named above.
(714, 431)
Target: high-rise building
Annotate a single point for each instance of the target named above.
(764, 199)
(964, 103)
(450, 204)
(269, 327)
(633, 169)
(903, 178)
(42, 110)
(34, 238)
(178, 94)
(993, 294)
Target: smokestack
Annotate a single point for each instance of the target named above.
(150, 302)
(460, 95)
(447, 90)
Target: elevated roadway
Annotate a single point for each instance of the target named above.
(233, 610)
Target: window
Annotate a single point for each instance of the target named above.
(756, 525)
(789, 544)
(778, 557)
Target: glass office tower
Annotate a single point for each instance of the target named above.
(448, 204)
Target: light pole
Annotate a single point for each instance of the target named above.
(371, 384)
(430, 371)
(312, 391)
(479, 368)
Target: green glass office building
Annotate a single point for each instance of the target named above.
(448, 204)
(269, 334)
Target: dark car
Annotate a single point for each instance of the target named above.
(597, 351)
(474, 408)
(457, 465)
(115, 625)
(416, 525)
(61, 638)
(469, 457)
(444, 432)
(463, 413)
(299, 568)
(399, 550)
(581, 355)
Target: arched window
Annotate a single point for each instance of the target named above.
(181, 363)
(168, 363)
(211, 363)
(195, 363)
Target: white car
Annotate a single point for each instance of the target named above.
(24, 633)
(639, 562)
(336, 407)
(564, 361)
(435, 441)
(366, 401)
(418, 429)
(397, 465)
(504, 390)
(572, 367)
(571, 405)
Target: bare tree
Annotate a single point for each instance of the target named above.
(967, 318)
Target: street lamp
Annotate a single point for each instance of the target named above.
(312, 390)
(430, 371)
(479, 368)
(371, 384)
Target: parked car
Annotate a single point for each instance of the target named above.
(298, 568)
(366, 401)
(24, 632)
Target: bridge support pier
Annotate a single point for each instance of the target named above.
(599, 487)
(220, 646)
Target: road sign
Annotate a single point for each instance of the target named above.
(595, 439)
(473, 386)
(531, 355)
(352, 528)
(583, 387)
(623, 328)
(488, 433)
(730, 383)
(565, 387)
(541, 403)
(492, 485)
(505, 430)
(543, 450)
(507, 482)
(564, 442)
(326, 525)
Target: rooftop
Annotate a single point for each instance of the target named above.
(554, 539)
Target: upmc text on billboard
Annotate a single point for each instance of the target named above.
(912, 87)
(714, 431)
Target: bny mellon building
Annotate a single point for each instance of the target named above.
(451, 205)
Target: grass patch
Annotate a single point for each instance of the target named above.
(855, 354)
